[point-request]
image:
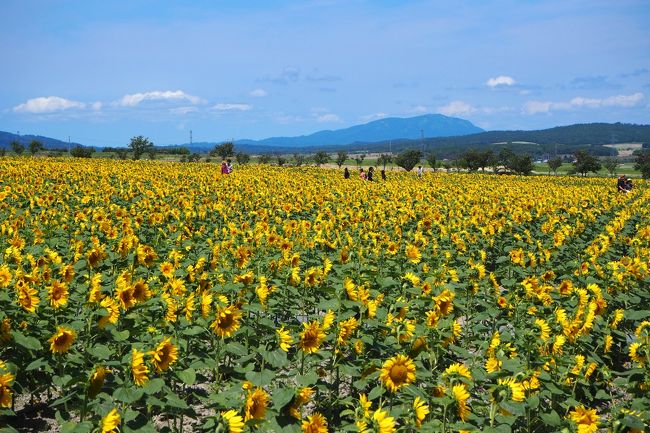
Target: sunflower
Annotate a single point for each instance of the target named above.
(226, 321)
(315, 423)
(544, 329)
(28, 298)
(328, 320)
(206, 304)
(165, 355)
(302, 398)
(96, 381)
(516, 389)
(138, 368)
(413, 254)
(458, 369)
(113, 312)
(346, 329)
(383, 422)
(637, 353)
(6, 394)
(58, 294)
(311, 337)
(62, 339)
(125, 296)
(421, 410)
(397, 372)
(110, 422)
(5, 276)
(140, 291)
(461, 396)
(5, 331)
(492, 365)
(256, 403)
(587, 419)
(235, 422)
(285, 338)
(607, 345)
(167, 269)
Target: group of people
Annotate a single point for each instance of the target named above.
(624, 184)
(226, 167)
(365, 175)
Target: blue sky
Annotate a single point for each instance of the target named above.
(102, 72)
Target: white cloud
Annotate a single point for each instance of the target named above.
(456, 108)
(534, 107)
(48, 104)
(329, 118)
(183, 110)
(157, 95)
(420, 109)
(232, 107)
(374, 116)
(501, 80)
(96, 106)
(258, 93)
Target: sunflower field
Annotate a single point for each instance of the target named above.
(154, 296)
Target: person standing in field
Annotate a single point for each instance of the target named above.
(383, 175)
(229, 166)
(621, 185)
(362, 175)
(420, 172)
(224, 167)
(346, 173)
(371, 171)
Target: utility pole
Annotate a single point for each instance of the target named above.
(422, 139)
(68, 145)
(190, 137)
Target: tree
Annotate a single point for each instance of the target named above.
(194, 157)
(151, 152)
(139, 145)
(121, 153)
(299, 159)
(585, 162)
(3, 151)
(264, 158)
(321, 157)
(521, 164)
(447, 164)
(82, 152)
(341, 157)
(35, 146)
(474, 160)
(281, 160)
(431, 159)
(408, 159)
(359, 159)
(611, 164)
(642, 163)
(242, 158)
(224, 150)
(384, 159)
(554, 164)
(17, 147)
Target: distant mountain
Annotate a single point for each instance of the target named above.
(49, 143)
(390, 128)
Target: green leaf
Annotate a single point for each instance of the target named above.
(307, 379)
(236, 349)
(602, 395)
(29, 343)
(36, 365)
(147, 428)
(174, 401)
(260, 378)
(637, 314)
(100, 351)
(376, 392)
(188, 377)
(8, 429)
(120, 335)
(76, 427)
(153, 386)
(633, 422)
(192, 330)
(533, 402)
(128, 395)
(552, 418)
(277, 358)
(282, 397)
(503, 428)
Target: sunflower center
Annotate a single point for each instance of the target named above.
(398, 373)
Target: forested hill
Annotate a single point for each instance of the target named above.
(564, 139)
